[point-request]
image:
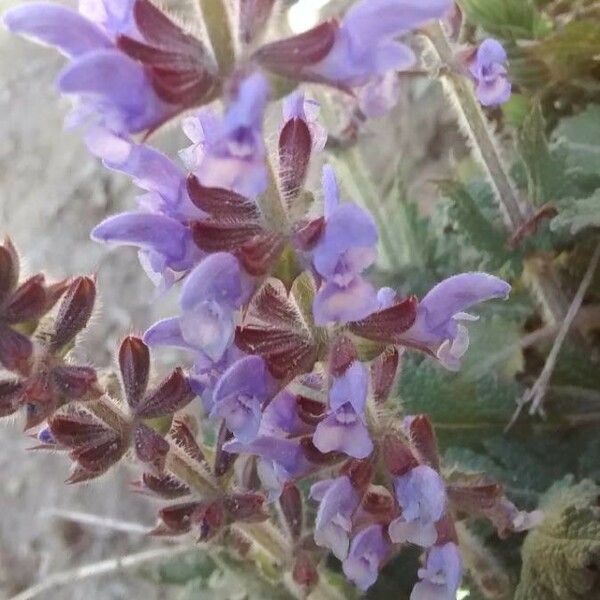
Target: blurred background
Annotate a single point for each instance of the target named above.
(52, 192)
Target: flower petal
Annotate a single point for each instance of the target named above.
(56, 25)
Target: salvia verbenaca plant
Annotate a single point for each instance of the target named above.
(298, 450)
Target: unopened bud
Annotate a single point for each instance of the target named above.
(134, 363)
(387, 326)
(305, 572)
(295, 145)
(150, 447)
(74, 312)
(291, 505)
(10, 392)
(170, 396)
(422, 435)
(398, 456)
(383, 373)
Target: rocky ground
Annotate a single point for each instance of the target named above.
(51, 194)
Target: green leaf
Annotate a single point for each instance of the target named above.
(455, 404)
(506, 19)
(546, 177)
(561, 557)
(219, 26)
(576, 215)
(581, 137)
(467, 205)
(516, 110)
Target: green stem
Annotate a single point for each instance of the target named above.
(475, 125)
(220, 32)
(543, 281)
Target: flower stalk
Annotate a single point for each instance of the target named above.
(485, 149)
(220, 32)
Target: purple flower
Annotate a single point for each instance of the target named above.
(346, 248)
(239, 396)
(297, 106)
(229, 152)
(441, 576)
(112, 89)
(489, 73)
(280, 460)
(115, 16)
(152, 171)
(338, 500)
(166, 245)
(280, 417)
(368, 551)
(278, 444)
(437, 328)
(421, 495)
(344, 428)
(204, 373)
(211, 294)
(380, 95)
(365, 49)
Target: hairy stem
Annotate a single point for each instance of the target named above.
(220, 32)
(475, 125)
(489, 575)
(486, 151)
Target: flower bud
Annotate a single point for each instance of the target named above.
(15, 350)
(305, 572)
(307, 233)
(178, 517)
(314, 455)
(341, 355)
(9, 269)
(248, 507)
(208, 517)
(254, 16)
(387, 325)
(10, 392)
(422, 435)
(383, 373)
(150, 447)
(28, 301)
(290, 56)
(223, 460)
(134, 363)
(74, 312)
(295, 145)
(170, 396)
(397, 456)
(290, 502)
(164, 486)
(310, 411)
(73, 382)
